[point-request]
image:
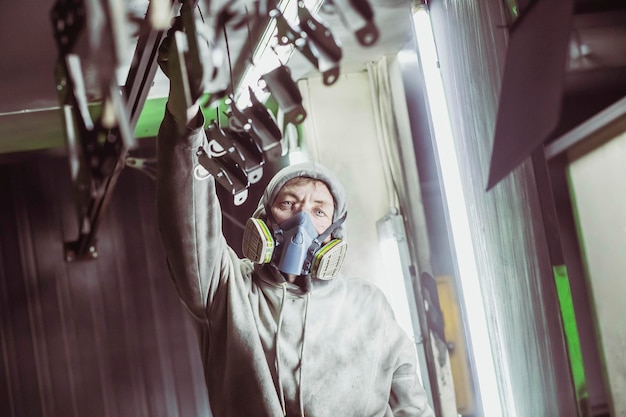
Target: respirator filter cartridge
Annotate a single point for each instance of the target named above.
(258, 244)
(328, 260)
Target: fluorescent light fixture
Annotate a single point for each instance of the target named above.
(269, 55)
(398, 285)
(457, 209)
(390, 238)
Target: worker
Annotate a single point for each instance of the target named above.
(281, 331)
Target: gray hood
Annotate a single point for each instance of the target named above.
(312, 170)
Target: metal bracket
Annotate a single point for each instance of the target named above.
(323, 44)
(286, 93)
(227, 173)
(74, 252)
(239, 150)
(257, 122)
(358, 16)
(313, 39)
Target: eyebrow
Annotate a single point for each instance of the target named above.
(324, 202)
(287, 193)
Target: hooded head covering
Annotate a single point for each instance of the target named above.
(312, 170)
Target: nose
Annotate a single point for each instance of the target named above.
(301, 208)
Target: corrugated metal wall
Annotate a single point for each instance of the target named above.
(507, 230)
(96, 338)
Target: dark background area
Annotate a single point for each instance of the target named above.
(104, 337)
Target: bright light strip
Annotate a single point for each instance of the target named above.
(451, 176)
(269, 55)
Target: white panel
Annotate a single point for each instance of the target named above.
(598, 183)
(340, 132)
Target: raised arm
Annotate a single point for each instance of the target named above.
(189, 215)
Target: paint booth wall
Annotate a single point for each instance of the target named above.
(598, 192)
(507, 232)
(106, 337)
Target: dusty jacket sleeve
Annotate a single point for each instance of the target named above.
(189, 217)
(407, 397)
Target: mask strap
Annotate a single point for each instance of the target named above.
(330, 229)
(317, 242)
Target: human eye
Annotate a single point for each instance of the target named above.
(320, 213)
(286, 204)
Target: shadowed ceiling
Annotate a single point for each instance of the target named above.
(30, 119)
(29, 115)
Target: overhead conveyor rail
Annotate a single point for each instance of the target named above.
(98, 149)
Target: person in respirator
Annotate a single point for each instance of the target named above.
(281, 332)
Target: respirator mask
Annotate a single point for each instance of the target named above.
(294, 247)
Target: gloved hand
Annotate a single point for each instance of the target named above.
(185, 89)
(164, 49)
